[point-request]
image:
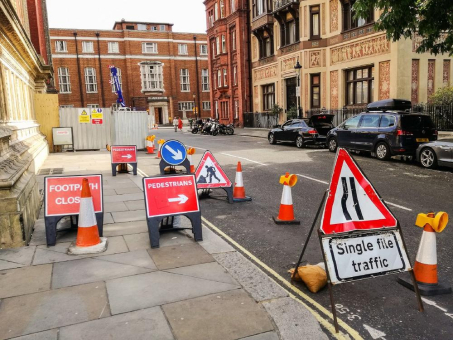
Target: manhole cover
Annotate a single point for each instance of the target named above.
(50, 171)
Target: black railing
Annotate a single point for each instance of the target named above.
(260, 120)
(282, 3)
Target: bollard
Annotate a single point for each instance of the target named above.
(286, 212)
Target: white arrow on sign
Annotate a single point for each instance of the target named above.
(176, 155)
(181, 199)
(128, 156)
(374, 333)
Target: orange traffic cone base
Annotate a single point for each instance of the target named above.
(95, 249)
(150, 149)
(287, 222)
(424, 289)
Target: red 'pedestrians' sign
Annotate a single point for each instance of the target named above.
(352, 202)
(170, 195)
(62, 194)
(124, 154)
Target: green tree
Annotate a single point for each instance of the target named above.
(443, 96)
(432, 20)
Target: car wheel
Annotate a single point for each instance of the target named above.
(332, 145)
(272, 139)
(382, 151)
(428, 158)
(300, 142)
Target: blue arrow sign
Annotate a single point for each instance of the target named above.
(173, 152)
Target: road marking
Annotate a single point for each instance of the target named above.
(375, 333)
(352, 332)
(398, 206)
(196, 147)
(246, 159)
(432, 303)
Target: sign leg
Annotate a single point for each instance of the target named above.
(153, 230)
(100, 222)
(114, 169)
(196, 226)
(417, 292)
(134, 168)
(51, 230)
(332, 303)
(229, 192)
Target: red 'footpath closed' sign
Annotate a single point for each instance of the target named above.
(124, 154)
(170, 195)
(62, 194)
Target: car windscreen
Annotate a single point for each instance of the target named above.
(299, 124)
(416, 122)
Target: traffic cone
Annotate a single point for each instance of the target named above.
(190, 152)
(425, 267)
(160, 142)
(286, 212)
(239, 190)
(88, 240)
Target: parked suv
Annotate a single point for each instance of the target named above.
(387, 129)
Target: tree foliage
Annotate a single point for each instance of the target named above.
(432, 20)
(443, 96)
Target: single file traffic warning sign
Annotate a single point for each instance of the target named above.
(209, 173)
(352, 202)
(170, 195)
(124, 154)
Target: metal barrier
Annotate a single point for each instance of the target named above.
(129, 128)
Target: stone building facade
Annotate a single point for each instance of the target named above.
(160, 70)
(229, 62)
(344, 61)
(25, 73)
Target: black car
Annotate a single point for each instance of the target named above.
(386, 129)
(294, 130)
(321, 123)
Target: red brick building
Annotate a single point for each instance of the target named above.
(229, 43)
(160, 70)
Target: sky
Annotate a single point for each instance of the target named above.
(186, 15)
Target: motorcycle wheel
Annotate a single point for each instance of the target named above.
(195, 131)
(215, 132)
(230, 131)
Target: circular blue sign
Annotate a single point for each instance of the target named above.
(173, 152)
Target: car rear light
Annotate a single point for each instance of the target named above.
(404, 133)
(435, 133)
(312, 132)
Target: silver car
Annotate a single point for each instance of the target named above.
(437, 153)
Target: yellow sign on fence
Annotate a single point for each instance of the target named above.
(84, 117)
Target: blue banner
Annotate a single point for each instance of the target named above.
(116, 83)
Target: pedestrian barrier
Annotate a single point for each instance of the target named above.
(150, 144)
(160, 142)
(425, 267)
(121, 157)
(88, 240)
(190, 152)
(286, 212)
(239, 190)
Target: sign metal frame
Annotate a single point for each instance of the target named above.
(164, 164)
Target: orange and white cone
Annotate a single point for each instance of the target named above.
(239, 190)
(286, 212)
(88, 240)
(190, 152)
(149, 146)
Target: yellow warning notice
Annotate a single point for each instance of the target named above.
(97, 115)
(84, 117)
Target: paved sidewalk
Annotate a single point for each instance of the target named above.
(183, 290)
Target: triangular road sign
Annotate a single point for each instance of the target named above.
(352, 202)
(209, 174)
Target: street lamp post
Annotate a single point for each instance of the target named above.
(298, 67)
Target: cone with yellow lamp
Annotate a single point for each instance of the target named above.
(239, 190)
(150, 144)
(286, 212)
(88, 240)
(425, 267)
(159, 142)
(190, 152)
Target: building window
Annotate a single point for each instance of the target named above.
(154, 28)
(141, 27)
(315, 91)
(120, 79)
(233, 6)
(63, 80)
(262, 6)
(91, 84)
(224, 110)
(349, 22)
(217, 41)
(268, 97)
(233, 40)
(225, 80)
(314, 22)
(236, 109)
(185, 106)
(206, 106)
(223, 44)
(113, 47)
(205, 80)
(360, 85)
(182, 49)
(162, 28)
(219, 78)
(259, 7)
(61, 46)
(216, 12)
(87, 47)
(203, 49)
(66, 106)
(235, 81)
(130, 27)
(210, 19)
(222, 9)
(92, 106)
(184, 80)
(216, 109)
(151, 76)
(149, 47)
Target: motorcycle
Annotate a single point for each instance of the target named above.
(215, 128)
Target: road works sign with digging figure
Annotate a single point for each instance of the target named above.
(359, 236)
(210, 175)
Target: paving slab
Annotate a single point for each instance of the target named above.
(124, 198)
(109, 192)
(115, 206)
(234, 314)
(263, 336)
(26, 280)
(135, 205)
(129, 216)
(125, 228)
(212, 243)
(138, 258)
(141, 240)
(129, 190)
(9, 265)
(181, 255)
(108, 216)
(83, 271)
(112, 185)
(293, 320)
(58, 252)
(258, 284)
(208, 271)
(47, 335)
(38, 312)
(140, 325)
(153, 289)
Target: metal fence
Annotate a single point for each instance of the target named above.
(260, 120)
